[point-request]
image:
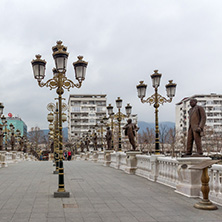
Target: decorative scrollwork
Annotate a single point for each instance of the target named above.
(156, 99)
(60, 80)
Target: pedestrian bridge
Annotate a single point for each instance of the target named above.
(97, 192)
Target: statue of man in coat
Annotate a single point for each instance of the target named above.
(130, 131)
(1, 137)
(109, 138)
(197, 120)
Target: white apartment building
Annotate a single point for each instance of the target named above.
(212, 104)
(84, 111)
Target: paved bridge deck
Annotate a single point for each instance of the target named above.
(98, 194)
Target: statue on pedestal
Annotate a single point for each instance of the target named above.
(130, 131)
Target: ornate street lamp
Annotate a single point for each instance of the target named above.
(1, 127)
(52, 118)
(12, 128)
(59, 82)
(111, 116)
(4, 122)
(119, 106)
(156, 99)
(1, 109)
(128, 109)
(119, 117)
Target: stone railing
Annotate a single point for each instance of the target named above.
(215, 174)
(101, 157)
(167, 171)
(172, 172)
(113, 160)
(7, 158)
(143, 166)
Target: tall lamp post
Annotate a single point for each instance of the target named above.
(111, 116)
(4, 122)
(1, 127)
(59, 82)
(156, 99)
(119, 106)
(12, 131)
(119, 116)
(52, 118)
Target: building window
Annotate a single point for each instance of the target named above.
(76, 109)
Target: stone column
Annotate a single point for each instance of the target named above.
(87, 156)
(14, 157)
(189, 179)
(3, 160)
(107, 157)
(154, 167)
(95, 156)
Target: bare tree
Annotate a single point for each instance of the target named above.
(172, 138)
(36, 136)
(163, 134)
(147, 138)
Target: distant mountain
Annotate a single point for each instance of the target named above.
(64, 130)
(143, 125)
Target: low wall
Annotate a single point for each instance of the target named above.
(7, 158)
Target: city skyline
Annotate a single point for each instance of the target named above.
(123, 43)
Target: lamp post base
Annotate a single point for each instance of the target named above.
(205, 205)
(61, 194)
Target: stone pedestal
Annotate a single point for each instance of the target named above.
(14, 155)
(107, 157)
(82, 155)
(61, 194)
(95, 156)
(131, 162)
(117, 166)
(3, 160)
(87, 156)
(189, 179)
(21, 155)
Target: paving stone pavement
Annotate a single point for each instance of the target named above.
(98, 194)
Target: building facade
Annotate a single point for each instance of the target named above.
(212, 104)
(84, 112)
(18, 124)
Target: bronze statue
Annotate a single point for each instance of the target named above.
(87, 141)
(130, 131)
(1, 137)
(12, 141)
(82, 146)
(197, 120)
(21, 144)
(109, 138)
(95, 141)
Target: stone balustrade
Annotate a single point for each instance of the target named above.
(7, 158)
(172, 172)
(215, 174)
(167, 171)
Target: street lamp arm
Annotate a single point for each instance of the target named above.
(51, 83)
(160, 99)
(60, 81)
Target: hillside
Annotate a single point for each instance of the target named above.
(143, 125)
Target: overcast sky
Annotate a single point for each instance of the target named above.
(123, 41)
